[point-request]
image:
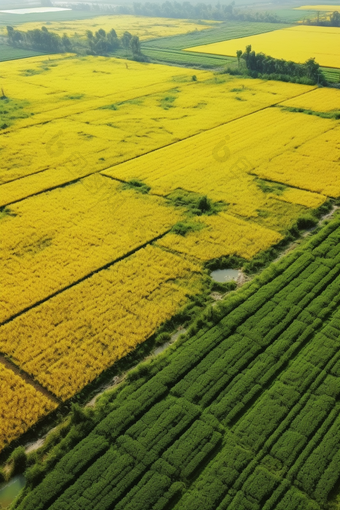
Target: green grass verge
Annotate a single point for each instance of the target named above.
(331, 75)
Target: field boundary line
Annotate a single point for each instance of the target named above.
(28, 378)
(83, 278)
(138, 156)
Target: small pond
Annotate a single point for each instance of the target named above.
(10, 490)
(225, 275)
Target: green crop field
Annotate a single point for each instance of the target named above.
(10, 53)
(178, 57)
(170, 49)
(292, 15)
(332, 75)
(242, 414)
(223, 32)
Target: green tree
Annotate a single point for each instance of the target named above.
(135, 46)
(19, 459)
(66, 42)
(126, 40)
(335, 19)
(239, 55)
(312, 69)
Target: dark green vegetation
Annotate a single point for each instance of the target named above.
(170, 49)
(195, 203)
(11, 110)
(243, 413)
(331, 75)
(325, 20)
(259, 65)
(137, 186)
(183, 227)
(325, 115)
(100, 43)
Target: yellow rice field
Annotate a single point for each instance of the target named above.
(144, 27)
(329, 8)
(21, 405)
(71, 138)
(297, 43)
(320, 100)
(219, 163)
(222, 235)
(314, 165)
(54, 239)
(70, 339)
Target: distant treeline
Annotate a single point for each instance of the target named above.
(259, 65)
(332, 21)
(184, 10)
(99, 43)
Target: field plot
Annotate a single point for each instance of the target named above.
(221, 32)
(96, 223)
(70, 339)
(319, 100)
(169, 49)
(329, 8)
(312, 165)
(21, 405)
(243, 414)
(142, 26)
(222, 235)
(296, 43)
(75, 127)
(218, 163)
(9, 53)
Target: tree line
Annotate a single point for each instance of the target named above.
(261, 65)
(98, 43)
(332, 21)
(183, 10)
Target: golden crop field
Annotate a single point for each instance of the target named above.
(220, 161)
(70, 339)
(52, 251)
(223, 235)
(70, 138)
(314, 165)
(144, 27)
(329, 8)
(297, 43)
(91, 267)
(21, 405)
(320, 100)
